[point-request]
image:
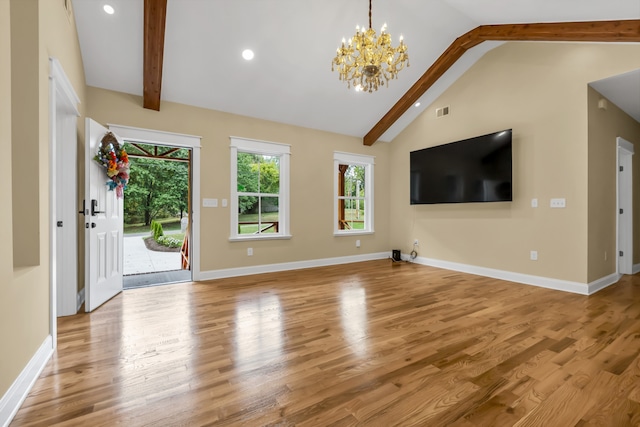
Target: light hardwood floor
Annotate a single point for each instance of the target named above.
(371, 344)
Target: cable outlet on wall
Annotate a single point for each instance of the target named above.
(533, 255)
(416, 242)
(249, 251)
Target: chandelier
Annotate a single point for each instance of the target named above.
(368, 60)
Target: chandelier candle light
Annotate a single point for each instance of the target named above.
(369, 61)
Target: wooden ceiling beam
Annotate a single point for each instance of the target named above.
(592, 31)
(155, 15)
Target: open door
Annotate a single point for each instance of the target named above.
(103, 226)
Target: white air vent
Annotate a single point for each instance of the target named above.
(444, 111)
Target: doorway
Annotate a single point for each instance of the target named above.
(624, 206)
(65, 298)
(156, 215)
(149, 140)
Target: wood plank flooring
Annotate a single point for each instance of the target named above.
(366, 344)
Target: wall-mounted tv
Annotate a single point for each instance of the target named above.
(472, 170)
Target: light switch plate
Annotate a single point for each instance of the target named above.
(210, 203)
(558, 203)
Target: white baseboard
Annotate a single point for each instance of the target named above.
(636, 269)
(527, 279)
(13, 398)
(603, 282)
(79, 299)
(297, 265)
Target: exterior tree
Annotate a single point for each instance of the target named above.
(156, 188)
(256, 173)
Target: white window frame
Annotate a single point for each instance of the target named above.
(283, 151)
(361, 160)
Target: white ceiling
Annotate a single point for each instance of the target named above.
(290, 79)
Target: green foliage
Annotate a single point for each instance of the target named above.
(256, 174)
(156, 230)
(156, 189)
(170, 242)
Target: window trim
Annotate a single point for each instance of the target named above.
(245, 145)
(368, 162)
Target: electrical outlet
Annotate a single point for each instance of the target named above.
(249, 251)
(416, 242)
(533, 255)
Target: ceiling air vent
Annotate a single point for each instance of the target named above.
(444, 111)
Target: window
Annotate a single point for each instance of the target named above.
(259, 190)
(353, 205)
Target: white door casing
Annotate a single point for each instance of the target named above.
(624, 206)
(103, 226)
(63, 107)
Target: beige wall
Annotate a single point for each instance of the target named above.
(604, 126)
(24, 291)
(24, 135)
(311, 180)
(539, 90)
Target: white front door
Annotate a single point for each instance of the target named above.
(103, 226)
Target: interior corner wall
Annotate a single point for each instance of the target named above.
(605, 125)
(8, 372)
(59, 39)
(24, 291)
(312, 181)
(538, 90)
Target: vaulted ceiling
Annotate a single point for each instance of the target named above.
(290, 79)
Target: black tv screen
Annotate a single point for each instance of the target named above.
(472, 170)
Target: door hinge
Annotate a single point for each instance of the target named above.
(59, 223)
(621, 168)
(621, 253)
(621, 210)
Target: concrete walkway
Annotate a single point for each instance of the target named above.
(139, 260)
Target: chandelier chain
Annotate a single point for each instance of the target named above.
(370, 14)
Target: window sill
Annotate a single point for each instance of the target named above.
(351, 233)
(262, 237)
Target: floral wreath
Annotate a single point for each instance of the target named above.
(115, 160)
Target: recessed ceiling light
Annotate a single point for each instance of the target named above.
(417, 104)
(109, 9)
(247, 54)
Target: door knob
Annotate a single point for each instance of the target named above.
(93, 225)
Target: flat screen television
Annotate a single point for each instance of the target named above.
(472, 170)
